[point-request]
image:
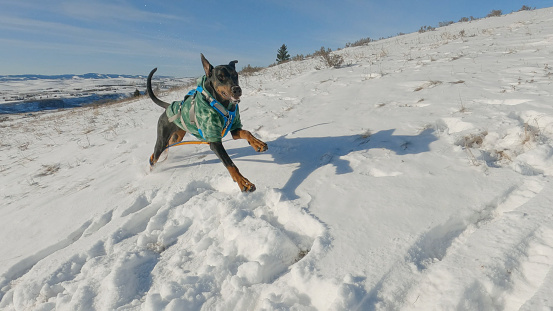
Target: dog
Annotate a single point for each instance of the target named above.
(209, 112)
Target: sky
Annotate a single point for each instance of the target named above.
(132, 37)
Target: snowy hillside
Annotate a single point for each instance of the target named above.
(419, 176)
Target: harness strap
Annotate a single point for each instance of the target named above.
(175, 116)
(227, 115)
(187, 143)
(229, 121)
(192, 114)
(179, 114)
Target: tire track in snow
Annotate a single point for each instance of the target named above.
(525, 267)
(25, 265)
(23, 269)
(518, 256)
(446, 242)
(510, 275)
(537, 271)
(434, 244)
(140, 202)
(99, 223)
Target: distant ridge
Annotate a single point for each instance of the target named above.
(71, 76)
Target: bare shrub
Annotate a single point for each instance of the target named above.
(249, 70)
(443, 24)
(531, 133)
(331, 60)
(426, 28)
(429, 84)
(366, 134)
(360, 42)
(494, 13)
(526, 8)
(472, 141)
(298, 57)
(49, 170)
(24, 146)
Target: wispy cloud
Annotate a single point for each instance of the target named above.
(99, 11)
(65, 34)
(111, 11)
(34, 26)
(56, 36)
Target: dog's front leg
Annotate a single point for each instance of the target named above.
(256, 144)
(243, 182)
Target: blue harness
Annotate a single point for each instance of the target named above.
(227, 115)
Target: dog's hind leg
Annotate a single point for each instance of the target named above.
(165, 131)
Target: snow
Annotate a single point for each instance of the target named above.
(418, 176)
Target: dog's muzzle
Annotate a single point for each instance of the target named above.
(236, 93)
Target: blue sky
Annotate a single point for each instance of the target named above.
(132, 37)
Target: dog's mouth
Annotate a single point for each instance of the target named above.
(234, 99)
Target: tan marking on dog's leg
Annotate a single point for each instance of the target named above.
(243, 183)
(177, 137)
(256, 144)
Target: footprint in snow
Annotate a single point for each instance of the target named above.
(183, 248)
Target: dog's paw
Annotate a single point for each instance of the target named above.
(243, 183)
(258, 145)
(248, 188)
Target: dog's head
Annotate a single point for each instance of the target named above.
(222, 81)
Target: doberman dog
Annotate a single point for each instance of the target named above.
(222, 83)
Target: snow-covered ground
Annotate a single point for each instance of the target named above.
(419, 176)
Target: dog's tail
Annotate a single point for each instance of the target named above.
(156, 100)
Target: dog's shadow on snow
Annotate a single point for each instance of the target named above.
(310, 153)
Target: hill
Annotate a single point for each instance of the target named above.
(417, 176)
(67, 77)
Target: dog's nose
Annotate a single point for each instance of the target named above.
(236, 91)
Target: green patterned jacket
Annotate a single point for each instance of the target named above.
(204, 122)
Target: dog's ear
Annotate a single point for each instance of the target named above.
(232, 64)
(207, 66)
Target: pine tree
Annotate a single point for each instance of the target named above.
(282, 54)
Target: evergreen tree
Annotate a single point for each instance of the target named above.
(282, 54)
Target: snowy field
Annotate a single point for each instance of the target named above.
(419, 176)
(31, 93)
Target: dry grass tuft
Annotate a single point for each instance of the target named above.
(49, 170)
